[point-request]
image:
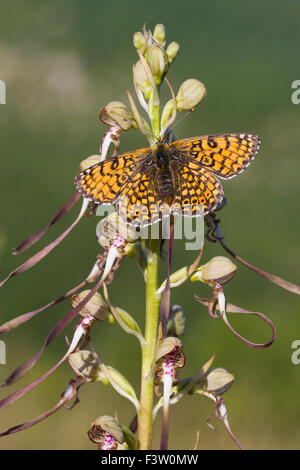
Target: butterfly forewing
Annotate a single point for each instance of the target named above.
(105, 181)
(225, 155)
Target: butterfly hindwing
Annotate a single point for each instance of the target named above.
(198, 190)
(140, 203)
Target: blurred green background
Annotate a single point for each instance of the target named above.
(63, 61)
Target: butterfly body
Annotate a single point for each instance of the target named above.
(161, 155)
(163, 173)
(181, 177)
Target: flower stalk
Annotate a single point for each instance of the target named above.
(145, 421)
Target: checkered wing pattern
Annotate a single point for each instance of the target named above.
(198, 190)
(225, 155)
(106, 181)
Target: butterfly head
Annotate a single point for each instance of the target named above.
(166, 138)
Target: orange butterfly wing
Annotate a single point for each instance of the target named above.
(105, 181)
(130, 178)
(225, 155)
(198, 191)
(139, 203)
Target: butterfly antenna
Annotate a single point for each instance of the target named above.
(169, 134)
(182, 117)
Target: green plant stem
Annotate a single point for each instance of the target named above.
(145, 419)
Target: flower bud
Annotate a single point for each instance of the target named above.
(112, 226)
(90, 161)
(121, 384)
(129, 250)
(96, 306)
(176, 322)
(159, 33)
(158, 61)
(176, 278)
(167, 113)
(140, 256)
(83, 363)
(179, 275)
(106, 432)
(219, 269)
(139, 40)
(127, 320)
(217, 380)
(129, 437)
(116, 112)
(190, 94)
(172, 51)
(141, 80)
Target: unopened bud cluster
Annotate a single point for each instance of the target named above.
(155, 58)
(152, 47)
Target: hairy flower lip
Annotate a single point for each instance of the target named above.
(106, 432)
(113, 254)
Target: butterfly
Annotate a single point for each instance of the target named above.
(180, 178)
